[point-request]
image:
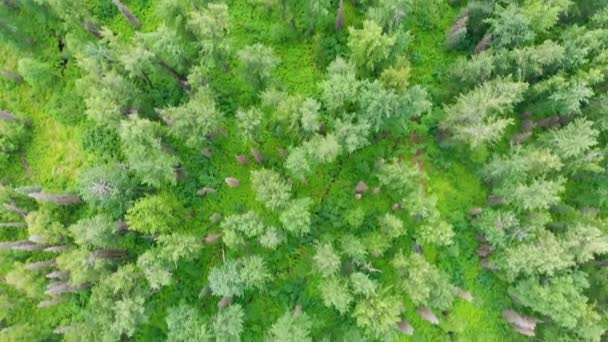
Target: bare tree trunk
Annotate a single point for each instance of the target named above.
(59, 199)
(484, 43)
(127, 13)
(340, 16)
(11, 76)
(40, 265)
(92, 29)
(181, 80)
(7, 116)
(51, 302)
(111, 253)
(22, 245)
(16, 209)
(13, 225)
(55, 289)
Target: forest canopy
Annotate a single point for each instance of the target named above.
(319, 170)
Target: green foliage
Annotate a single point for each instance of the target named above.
(271, 190)
(101, 141)
(44, 225)
(185, 324)
(38, 74)
(378, 315)
(83, 265)
(226, 280)
(13, 134)
(28, 282)
(369, 45)
(335, 293)
(155, 268)
(194, 121)
(295, 218)
(254, 272)
(362, 285)
(258, 63)
(97, 231)
(249, 123)
(398, 178)
(178, 246)
(290, 328)
(108, 187)
(248, 224)
(327, 261)
(146, 155)
(424, 283)
(341, 88)
(228, 324)
(510, 27)
(155, 214)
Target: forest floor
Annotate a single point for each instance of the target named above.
(54, 157)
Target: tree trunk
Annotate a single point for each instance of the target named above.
(92, 29)
(111, 253)
(340, 16)
(22, 245)
(16, 209)
(127, 13)
(13, 225)
(40, 265)
(59, 199)
(11, 76)
(51, 302)
(181, 79)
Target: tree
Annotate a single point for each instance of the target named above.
(248, 223)
(108, 187)
(545, 14)
(13, 134)
(310, 119)
(369, 45)
(26, 281)
(584, 242)
(211, 25)
(538, 194)
(522, 163)
(168, 47)
(561, 297)
(226, 280)
(353, 248)
(425, 284)
(228, 324)
(129, 313)
(325, 149)
(531, 61)
(468, 73)
(271, 190)
(185, 324)
(390, 13)
(335, 293)
(156, 269)
(327, 261)
(362, 285)
(339, 91)
(38, 74)
(83, 265)
(155, 214)
(196, 120)
(178, 246)
(145, 152)
(254, 272)
(477, 117)
(541, 256)
(95, 232)
(352, 135)
(391, 225)
(573, 140)
(378, 315)
(436, 231)
(290, 327)
(295, 218)
(510, 27)
(44, 227)
(272, 238)
(249, 123)
(257, 63)
(298, 162)
(398, 178)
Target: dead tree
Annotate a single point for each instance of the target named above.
(257, 155)
(211, 238)
(7, 116)
(484, 43)
(111, 253)
(232, 182)
(224, 302)
(242, 159)
(464, 294)
(55, 289)
(12, 206)
(127, 13)
(34, 266)
(13, 225)
(21, 245)
(428, 315)
(59, 199)
(405, 327)
(56, 249)
(93, 29)
(206, 190)
(340, 16)
(11, 76)
(61, 275)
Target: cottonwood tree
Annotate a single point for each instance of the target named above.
(310, 118)
(271, 190)
(258, 63)
(425, 284)
(185, 324)
(369, 45)
(352, 247)
(195, 120)
(146, 155)
(291, 327)
(296, 218)
(43, 226)
(362, 285)
(234, 226)
(324, 149)
(478, 117)
(271, 238)
(156, 269)
(178, 246)
(352, 135)
(155, 214)
(299, 162)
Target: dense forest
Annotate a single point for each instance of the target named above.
(303, 170)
